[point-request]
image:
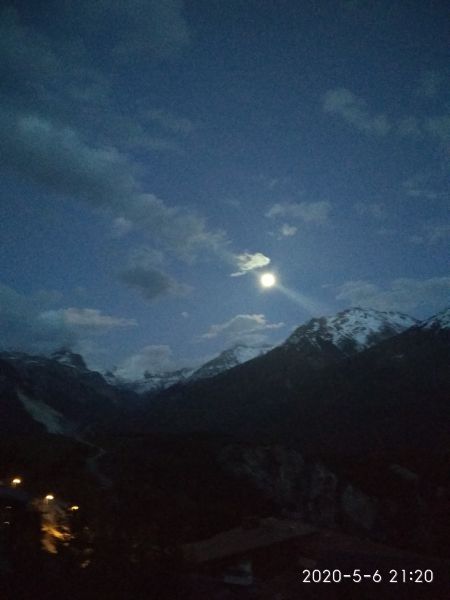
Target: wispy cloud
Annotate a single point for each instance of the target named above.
(354, 110)
(309, 212)
(242, 328)
(88, 319)
(432, 233)
(424, 187)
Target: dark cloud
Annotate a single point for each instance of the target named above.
(58, 159)
(27, 323)
(144, 273)
(66, 101)
(62, 162)
(150, 283)
(23, 327)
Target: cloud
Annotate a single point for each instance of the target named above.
(242, 328)
(404, 294)
(183, 233)
(58, 159)
(426, 186)
(432, 234)
(23, 328)
(62, 128)
(151, 283)
(288, 230)
(248, 262)
(353, 110)
(62, 77)
(419, 187)
(121, 227)
(309, 212)
(56, 101)
(143, 273)
(89, 319)
(154, 360)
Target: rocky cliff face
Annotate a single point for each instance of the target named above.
(309, 489)
(402, 513)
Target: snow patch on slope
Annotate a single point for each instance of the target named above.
(47, 416)
(228, 359)
(439, 321)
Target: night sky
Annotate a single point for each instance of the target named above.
(157, 154)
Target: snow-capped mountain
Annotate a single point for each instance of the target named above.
(237, 355)
(351, 330)
(326, 384)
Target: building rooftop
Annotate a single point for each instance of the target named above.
(242, 539)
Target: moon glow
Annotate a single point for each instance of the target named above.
(267, 280)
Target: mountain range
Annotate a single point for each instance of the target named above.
(156, 381)
(347, 422)
(61, 394)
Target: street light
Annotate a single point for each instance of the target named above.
(16, 481)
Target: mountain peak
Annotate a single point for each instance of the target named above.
(66, 357)
(351, 330)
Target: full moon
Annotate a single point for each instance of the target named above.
(267, 280)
